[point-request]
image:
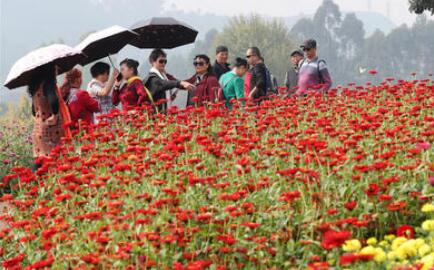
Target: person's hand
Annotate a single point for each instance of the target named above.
(115, 73)
(188, 86)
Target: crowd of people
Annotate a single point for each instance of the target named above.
(248, 79)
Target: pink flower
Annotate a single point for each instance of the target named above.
(423, 146)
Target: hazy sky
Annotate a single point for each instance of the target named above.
(397, 10)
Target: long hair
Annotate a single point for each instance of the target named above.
(70, 77)
(46, 77)
(206, 59)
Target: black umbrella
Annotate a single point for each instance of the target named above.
(163, 32)
(64, 57)
(105, 43)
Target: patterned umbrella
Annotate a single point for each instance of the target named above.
(163, 32)
(105, 43)
(64, 57)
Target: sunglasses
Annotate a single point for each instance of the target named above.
(306, 49)
(248, 56)
(199, 64)
(162, 61)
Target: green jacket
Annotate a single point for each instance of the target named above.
(233, 87)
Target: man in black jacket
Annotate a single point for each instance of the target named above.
(221, 65)
(258, 79)
(158, 81)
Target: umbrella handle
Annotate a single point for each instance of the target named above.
(111, 62)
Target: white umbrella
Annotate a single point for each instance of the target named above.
(64, 57)
(105, 43)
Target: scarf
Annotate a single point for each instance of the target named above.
(162, 76)
(64, 112)
(133, 79)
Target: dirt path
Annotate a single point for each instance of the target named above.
(3, 207)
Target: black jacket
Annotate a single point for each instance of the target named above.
(158, 86)
(259, 80)
(219, 70)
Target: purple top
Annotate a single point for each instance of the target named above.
(313, 75)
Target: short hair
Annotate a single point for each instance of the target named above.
(155, 54)
(256, 51)
(99, 68)
(221, 49)
(131, 63)
(240, 62)
(297, 52)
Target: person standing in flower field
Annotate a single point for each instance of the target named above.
(258, 71)
(48, 122)
(100, 87)
(232, 82)
(221, 65)
(132, 93)
(291, 78)
(313, 74)
(160, 83)
(81, 105)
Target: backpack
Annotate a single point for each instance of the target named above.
(321, 79)
(270, 82)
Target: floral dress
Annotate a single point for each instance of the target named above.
(47, 130)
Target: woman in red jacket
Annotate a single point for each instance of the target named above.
(205, 81)
(132, 94)
(81, 105)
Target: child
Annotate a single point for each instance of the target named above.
(100, 87)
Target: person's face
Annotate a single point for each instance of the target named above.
(103, 77)
(201, 65)
(77, 83)
(222, 57)
(160, 64)
(241, 71)
(126, 72)
(251, 57)
(296, 59)
(310, 53)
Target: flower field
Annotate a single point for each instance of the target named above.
(292, 184)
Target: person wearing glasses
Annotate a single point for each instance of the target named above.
(313, 73)
(161, 84)
(258, 74)
(205, 81)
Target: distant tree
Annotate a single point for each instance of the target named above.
(340, 39)
(419, 6)
(270, 36)
(205, 46)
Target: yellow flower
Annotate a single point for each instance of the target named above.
(378, 253)
(384, 243)
(407, 249)
(352, 245)
(428, 208)
(428, 225)
(372, 241)
(424, 249)
(428, 261)
(389, 237)
(398, 242)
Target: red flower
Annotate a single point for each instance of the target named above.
(13, 262)
(372, 190)
(333, 239)
(350, 205)
(405, 231)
